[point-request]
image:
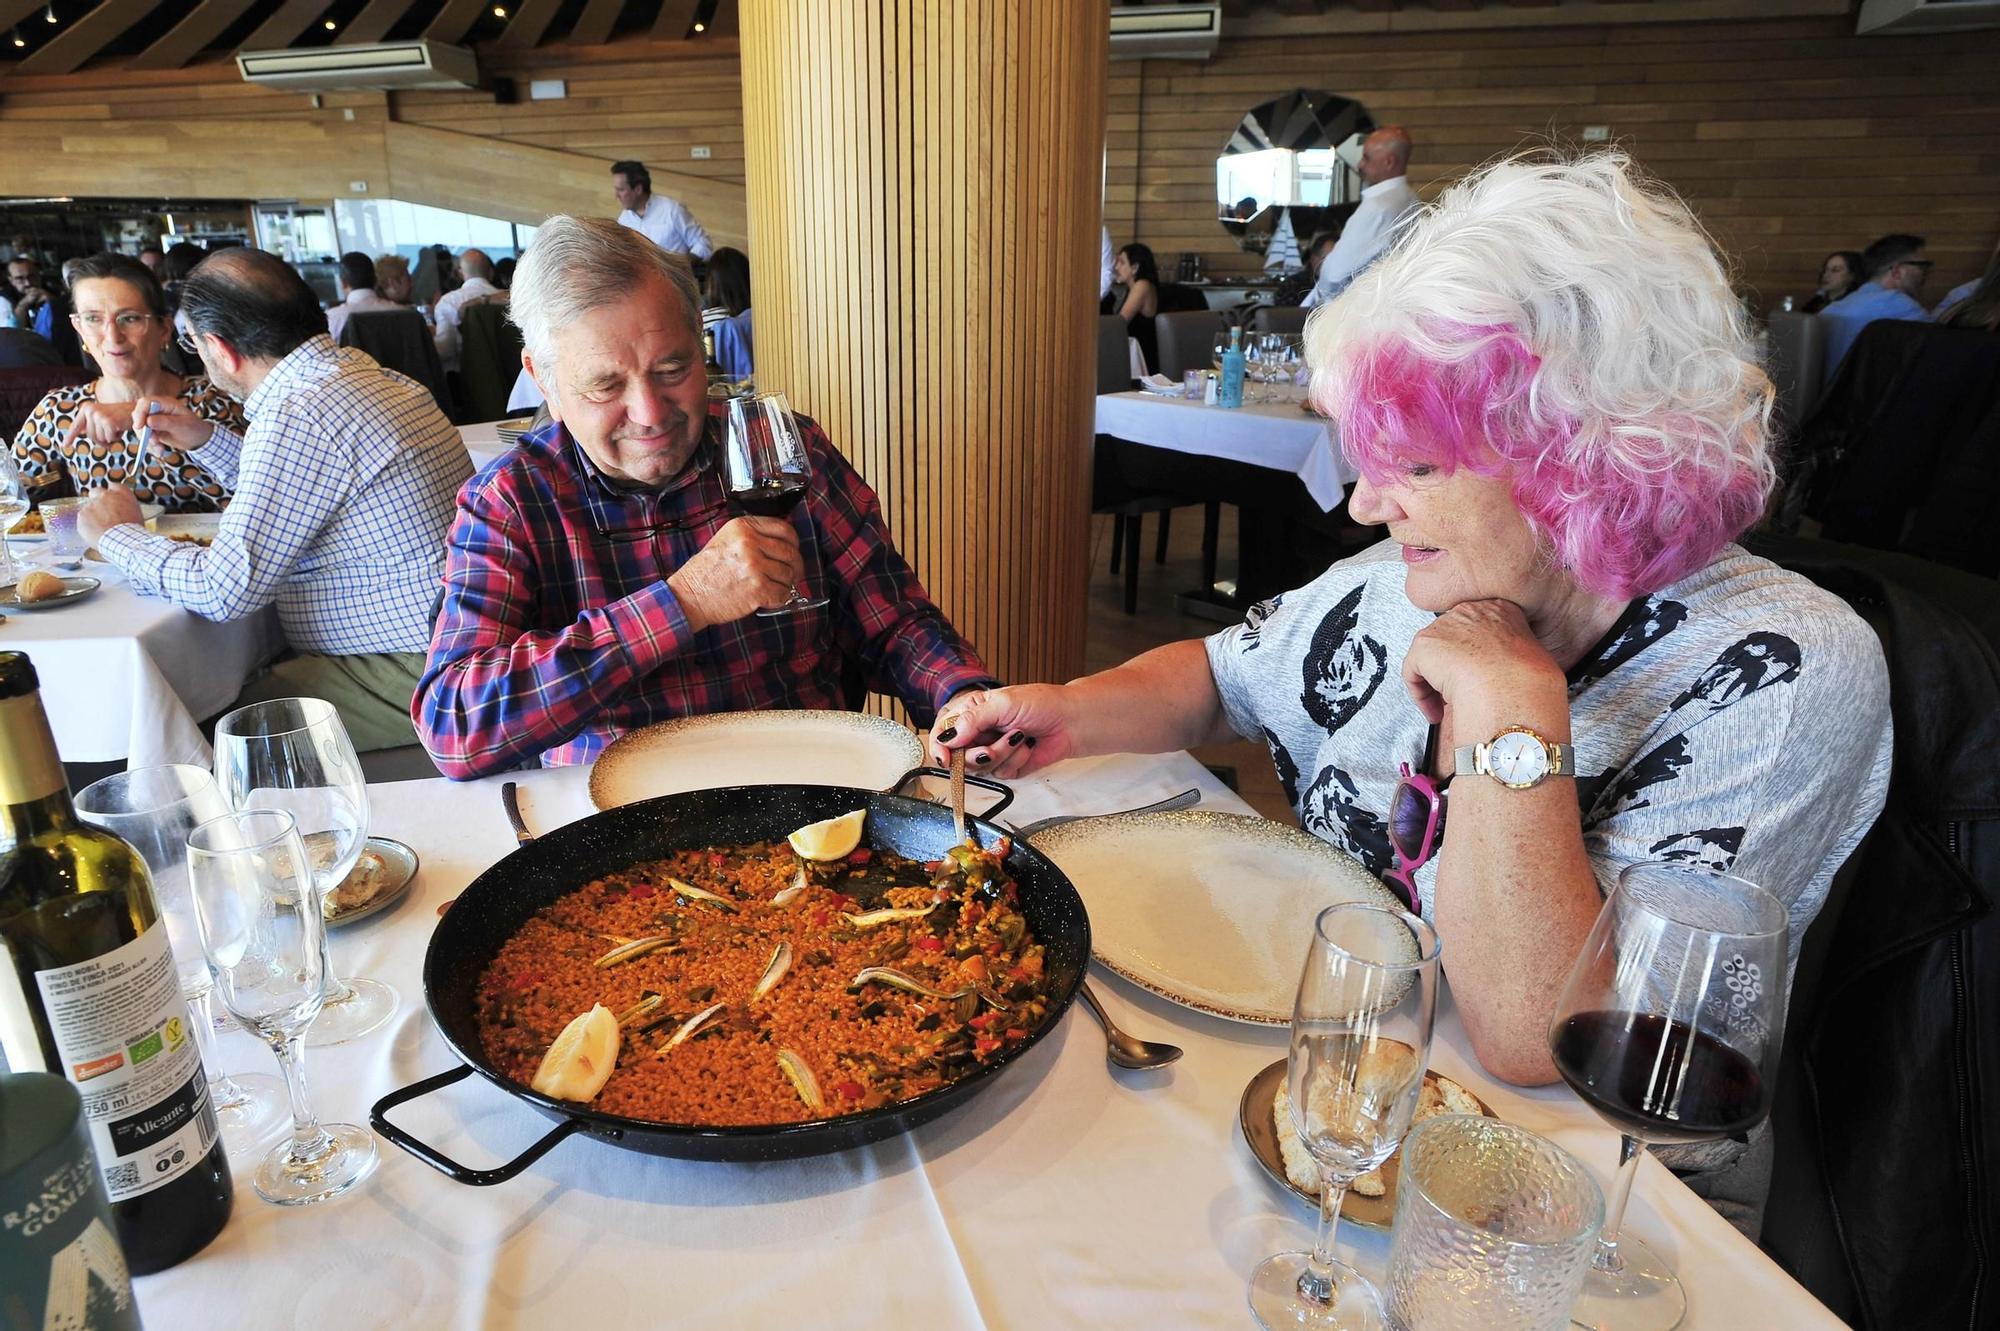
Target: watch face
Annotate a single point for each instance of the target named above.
(1517, 758)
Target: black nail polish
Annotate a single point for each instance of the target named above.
(1015, 738)
(983, 759)
(948, 734)
(1031, 741)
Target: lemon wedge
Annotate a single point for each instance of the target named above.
(833, 839)
(582, 1058)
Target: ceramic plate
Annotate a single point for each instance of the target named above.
(1208, 909)
(381, 876)
(1260, 1132)
(754, 749)
(74, 589)
(195, 526)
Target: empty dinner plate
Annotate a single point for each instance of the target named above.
(754, 749)
(1208, 909)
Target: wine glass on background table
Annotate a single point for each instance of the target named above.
(155, 808)
(14, 504)
(263, 933)
(1361, 1035)
(294, 754)
(1669, 1028)
(766, 470)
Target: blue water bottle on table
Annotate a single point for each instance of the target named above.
(1231, 394)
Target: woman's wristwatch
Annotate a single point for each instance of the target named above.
(1517, 758)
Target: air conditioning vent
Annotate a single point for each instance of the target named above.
(1165, 32)
(1912, 16)
(385, 65)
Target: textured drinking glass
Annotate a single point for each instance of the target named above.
(59, 518)
(1494, 1229)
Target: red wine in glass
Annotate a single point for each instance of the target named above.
(1657, 1078)
(770, 497)
(766, 468)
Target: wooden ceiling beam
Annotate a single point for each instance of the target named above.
(454, 20)
(725, 21)
(282, 28)
(594, 27)
(529, 21)
(191, 36)
(15, 11)
(86, 37)
(372, 24)
(676, 17)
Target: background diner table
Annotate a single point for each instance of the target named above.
(1064, 1194)
(1278, 436)
(130, 677)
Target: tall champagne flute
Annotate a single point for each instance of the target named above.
(1361, 1035)
(294, 754)
(767, 471)
(1669, 1028)
(155, 808)
(263, 932)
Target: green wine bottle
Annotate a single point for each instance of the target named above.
(88, 991)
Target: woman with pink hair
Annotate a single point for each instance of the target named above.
(1555, 405)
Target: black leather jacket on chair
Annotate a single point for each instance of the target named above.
(1885, 1198)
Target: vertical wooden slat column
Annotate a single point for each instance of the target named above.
(923, 180)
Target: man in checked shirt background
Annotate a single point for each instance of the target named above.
(596, 579)
(343, 490)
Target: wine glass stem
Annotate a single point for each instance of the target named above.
(202, 1013)
(1606, 1258)
(1317, 1283)
(309, 1141)
(331, 984)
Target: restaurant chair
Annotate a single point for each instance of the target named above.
(400, 340)
(23, 388)
(1187, 340)
(1797, 359)
(1289, 320)
(489, 359)
(1885, 1181)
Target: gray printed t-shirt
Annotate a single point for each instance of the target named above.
(1738, 719)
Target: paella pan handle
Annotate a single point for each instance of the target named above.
(1000, 788)
(438, 1160)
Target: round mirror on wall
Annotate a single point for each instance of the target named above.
(1292, 158)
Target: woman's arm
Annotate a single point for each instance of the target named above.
(1135, 299)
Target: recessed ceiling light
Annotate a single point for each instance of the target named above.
(19, 40)
(701, 27)
(50, 13)
(329, 25)
(499, 11)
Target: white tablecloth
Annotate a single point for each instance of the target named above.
(526, 394)
(130, 677)
(1139, 367)
(1277, 435)
(483, 442)
(1064, 1195)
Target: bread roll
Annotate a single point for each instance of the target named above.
(39, 585)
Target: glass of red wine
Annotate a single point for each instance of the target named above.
(1669, 1028)
(766, 469)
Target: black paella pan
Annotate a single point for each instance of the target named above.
(503, 898)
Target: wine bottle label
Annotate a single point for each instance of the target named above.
(121, 1028)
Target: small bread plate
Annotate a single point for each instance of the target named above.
(379, 879)
(74, 590)
(1260, 1133)
(815, 748)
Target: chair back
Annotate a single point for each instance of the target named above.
(489, 358)
(1797, 358)
(1287, 319)
(400, 340)
(1114, 355)
(1175, 297)
(1187, 340)
(21, 390)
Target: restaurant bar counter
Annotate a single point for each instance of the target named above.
(1064, 1195)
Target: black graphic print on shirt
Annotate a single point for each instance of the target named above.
(1253, 623)
(1659, 764)
(1288, 769)
(1710, 848)
(1644, 623)
(1331, 810)
(1757, 662)
(1342, 668)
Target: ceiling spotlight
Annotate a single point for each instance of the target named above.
(329, 25)
(701, 27)
(50, 13)
(499, 11)
(19, 40)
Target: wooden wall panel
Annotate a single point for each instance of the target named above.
(1790, 137)
(923, 202)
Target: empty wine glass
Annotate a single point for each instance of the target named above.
(767, 470)
(14, 505)
(294, 754)
(155, 808)
(1361, 1035)
(1669, 1028)
(263, 932)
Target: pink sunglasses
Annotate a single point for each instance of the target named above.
(1416, 823)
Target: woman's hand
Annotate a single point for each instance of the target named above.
(1007, 732)
(1480, 656)
(102, 423)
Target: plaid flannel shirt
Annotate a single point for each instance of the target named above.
(558, 631)
(343, 484)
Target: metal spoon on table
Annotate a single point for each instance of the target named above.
(1126, 1051)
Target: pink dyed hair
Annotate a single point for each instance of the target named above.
(1563, 326)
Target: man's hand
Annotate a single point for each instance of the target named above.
(172, 422)
(107, 509)
(747, 566)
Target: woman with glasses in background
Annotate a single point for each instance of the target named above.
(87, 431)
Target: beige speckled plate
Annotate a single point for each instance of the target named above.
(753, 749)
(1208, 909)
(1260, 1133)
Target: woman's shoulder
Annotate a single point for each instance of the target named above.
(1360, 594)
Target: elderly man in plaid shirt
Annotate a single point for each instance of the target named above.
(597, 579)
(343, 490)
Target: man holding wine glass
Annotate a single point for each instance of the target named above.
(622, 565)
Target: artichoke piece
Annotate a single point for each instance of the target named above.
(690, 1027)
(802, 1079)
(774, 972)
(626, 951)
(693, 893)
(888, 915)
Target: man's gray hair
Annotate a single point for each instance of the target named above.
(578, 264)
